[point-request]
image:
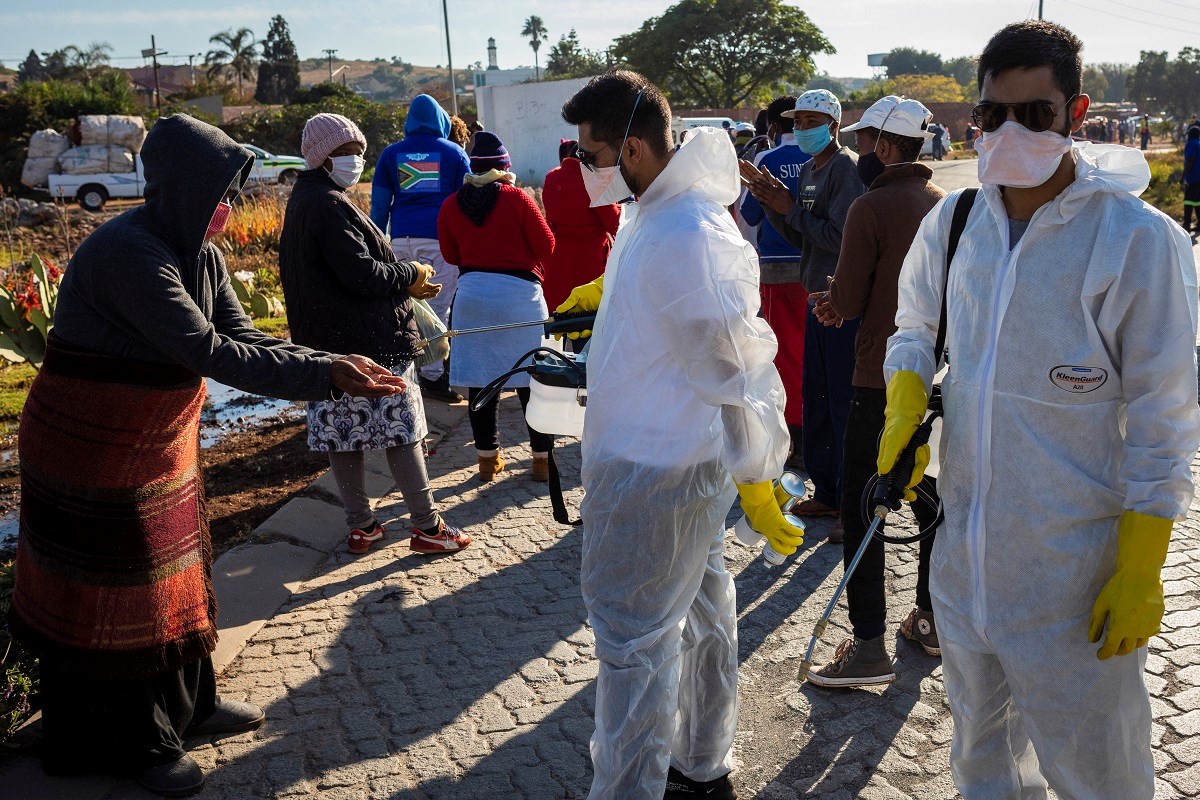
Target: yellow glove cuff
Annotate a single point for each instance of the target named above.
(1142, 541)
(756, 495)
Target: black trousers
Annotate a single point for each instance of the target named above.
(483, 423)
(1191, 201)
(865, 591)
(121, 726)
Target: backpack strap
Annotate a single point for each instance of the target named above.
(557, 503)
(962, 209)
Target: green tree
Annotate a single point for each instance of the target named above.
(1095, 84)
(825, 81)
(1116, 76)
(535, 29)
(926, 88)
(279, 70)
(962, 68)
(87, 61)
(236, 54)
(724, 53)
(31, 68)
(567, 59)
(910, 61)
(1183, 84)
(1147, 84)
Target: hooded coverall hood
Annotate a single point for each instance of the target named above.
(706, 162)
(189, 166)
(425, 116)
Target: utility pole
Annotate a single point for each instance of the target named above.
(1040, 3)
(330, 54)
(450, 62)
(192, 67)
(153, 53)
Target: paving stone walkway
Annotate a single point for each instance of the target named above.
(472, 676)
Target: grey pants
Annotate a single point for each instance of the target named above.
(407, 464)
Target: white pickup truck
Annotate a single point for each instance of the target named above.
(93, 191)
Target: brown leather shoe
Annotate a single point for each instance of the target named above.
(541, 469)
(489, 466)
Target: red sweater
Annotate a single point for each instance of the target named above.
(581, 234)
(513, 238)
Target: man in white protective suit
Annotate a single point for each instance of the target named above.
(683, 401)
(1071, 423)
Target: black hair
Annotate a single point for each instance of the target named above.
(909, 147)
(1193, 132)
(607, 103)
(1036, 43)
(775, 113)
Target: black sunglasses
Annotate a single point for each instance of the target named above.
(589, 159)
(1037, 115)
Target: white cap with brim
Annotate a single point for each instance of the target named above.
(822, 101)
(897, 115)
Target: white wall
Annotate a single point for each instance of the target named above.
(528, 119)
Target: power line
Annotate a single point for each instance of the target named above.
(1173, 29)
(1157, 14)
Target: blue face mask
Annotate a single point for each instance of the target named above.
(813, 140)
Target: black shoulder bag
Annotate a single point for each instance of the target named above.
(962, 209)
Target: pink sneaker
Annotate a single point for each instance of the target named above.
(359, 541)
(447, 540)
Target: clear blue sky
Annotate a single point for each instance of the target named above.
(412, 29)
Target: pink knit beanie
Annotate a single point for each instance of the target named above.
(325, 133)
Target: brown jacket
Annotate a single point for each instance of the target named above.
(879, 230)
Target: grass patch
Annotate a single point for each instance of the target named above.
(1166, 187)
(15, 380)
(273, 326)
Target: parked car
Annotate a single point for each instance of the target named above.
(271, 168)
(93, 191)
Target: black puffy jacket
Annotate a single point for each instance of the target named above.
(344, 289)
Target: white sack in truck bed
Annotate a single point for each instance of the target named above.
(124, 131)
(37, 171)
(95, 159)
(48, 144)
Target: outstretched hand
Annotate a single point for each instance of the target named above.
(359, 376)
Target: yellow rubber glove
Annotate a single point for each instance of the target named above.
(906, 405)
(582, 299)
(1132, 600)
(758, 501)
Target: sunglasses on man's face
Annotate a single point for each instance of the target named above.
(1037, 115)
(588, 159)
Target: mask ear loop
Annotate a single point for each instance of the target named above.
(629, 126)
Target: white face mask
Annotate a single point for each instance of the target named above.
(605, 185)
(347, 170)
(1012, 155)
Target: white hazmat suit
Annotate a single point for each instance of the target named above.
(1071, 397)
(682, 395)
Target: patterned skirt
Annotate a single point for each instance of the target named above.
(369, 423)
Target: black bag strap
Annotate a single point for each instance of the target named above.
(556, 494)
(962, 209)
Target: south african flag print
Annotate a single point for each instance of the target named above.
(417, 175)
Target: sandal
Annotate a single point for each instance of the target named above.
(811, 508)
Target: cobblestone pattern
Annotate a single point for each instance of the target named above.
(465, 676)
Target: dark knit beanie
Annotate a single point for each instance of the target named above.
(488, 152)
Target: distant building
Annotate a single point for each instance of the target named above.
(494, 76)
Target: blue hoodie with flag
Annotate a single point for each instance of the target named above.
(414, 176)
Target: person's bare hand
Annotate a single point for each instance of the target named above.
(421, 287)
(359, 376)
(766, 188)
(823, 308)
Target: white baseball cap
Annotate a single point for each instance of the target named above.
(820, 100)
(898, 115)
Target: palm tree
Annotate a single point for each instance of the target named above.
(236, 52)
(89, 60)
(535, 29)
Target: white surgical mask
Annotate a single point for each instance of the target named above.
(347, 170)
(605, 185)
(1012, 155)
